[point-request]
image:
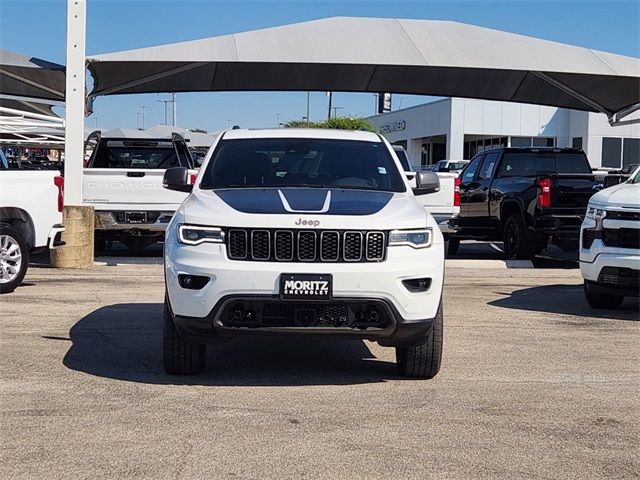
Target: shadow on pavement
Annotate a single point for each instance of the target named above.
(565, 300)
(124, 342)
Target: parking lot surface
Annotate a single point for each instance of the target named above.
(533, 384)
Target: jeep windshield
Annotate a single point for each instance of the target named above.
(302, 162)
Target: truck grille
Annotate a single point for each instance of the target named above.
(306, 245)
(621, 237)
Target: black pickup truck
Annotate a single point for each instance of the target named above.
(526, 197)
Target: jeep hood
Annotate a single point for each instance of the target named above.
(304, 208)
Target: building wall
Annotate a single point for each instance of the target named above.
(459, 117)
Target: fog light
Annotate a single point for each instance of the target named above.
(192, 282)
(416, 285)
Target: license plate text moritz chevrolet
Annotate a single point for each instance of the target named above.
(306, 232)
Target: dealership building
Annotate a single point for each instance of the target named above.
(458, 128)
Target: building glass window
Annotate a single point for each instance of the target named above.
(543, 141)
(576, 142)
(631, 151)
(520, 141)
(611, 152)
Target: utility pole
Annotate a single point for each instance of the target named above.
(165, 109)
(228, 122)
(143, 107)
(278, 120)
(175, 109)
(329, 109)
(308, 108)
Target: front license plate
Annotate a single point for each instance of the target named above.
(306, 286)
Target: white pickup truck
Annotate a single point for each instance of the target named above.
(123, 182)
(30, 218)
(443, 205)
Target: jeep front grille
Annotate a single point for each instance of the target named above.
(306, 245)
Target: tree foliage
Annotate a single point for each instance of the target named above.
(339, 123)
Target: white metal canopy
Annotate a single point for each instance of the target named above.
(381, 55)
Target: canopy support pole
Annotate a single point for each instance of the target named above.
(78, 219)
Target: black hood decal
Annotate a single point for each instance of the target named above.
(317, 201)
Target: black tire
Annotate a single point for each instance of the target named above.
(180, 357)
(518, 243)
(602, 300)
(423, 360)
(452, 246)
(23, 250)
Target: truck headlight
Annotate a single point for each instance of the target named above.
(413, 238)
(195, 235)
(596, 213)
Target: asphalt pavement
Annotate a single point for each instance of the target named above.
(534, 384)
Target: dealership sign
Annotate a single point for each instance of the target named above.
(391, 127)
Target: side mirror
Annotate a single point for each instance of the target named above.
(426, 182)
(177, 178)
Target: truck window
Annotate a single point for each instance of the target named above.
(143, 155)
(302, 162)
(488, 165)
(469, 173)
(532, 164)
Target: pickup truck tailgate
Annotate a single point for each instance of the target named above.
(441, 202)
(113, 188)
(572, 191)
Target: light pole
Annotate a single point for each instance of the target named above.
(228, 122)
(335, 110)
(142, 107)
(278, 120)
(308, 108)
(175, 108)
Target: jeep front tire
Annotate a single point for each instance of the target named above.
(423, 360)
(180, 357)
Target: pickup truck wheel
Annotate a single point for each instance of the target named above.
(602, 300)
(423, 360)
(14, 258)
(452, 246)
(180, 357)
(518, 244)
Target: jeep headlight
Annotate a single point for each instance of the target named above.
(195, 234)
(414, 238)
(596, 213)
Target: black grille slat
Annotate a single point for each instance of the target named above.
(237, 244)
(375, 246)
(329, 246)
(260, 245)
(283, 245)
(306, 246)
(324, 246)
(352, 246)
(621, 237)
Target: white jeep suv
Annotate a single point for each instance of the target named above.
(308, 232)
(610, 245)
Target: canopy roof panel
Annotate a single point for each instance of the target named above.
(424, 57)
(24, 76)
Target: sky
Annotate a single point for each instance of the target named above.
(38, 28)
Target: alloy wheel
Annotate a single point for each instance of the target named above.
(10, 258)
